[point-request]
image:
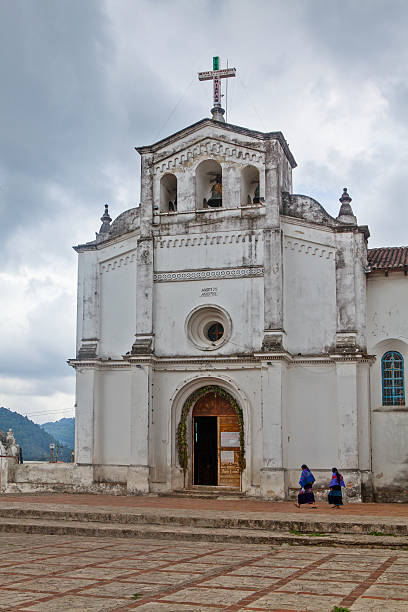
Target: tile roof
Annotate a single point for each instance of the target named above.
(388, 258)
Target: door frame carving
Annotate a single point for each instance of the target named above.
(181, 439)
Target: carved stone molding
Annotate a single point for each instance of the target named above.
(346, 343)
(209, 365)
(209, 147)
(88, 350)
(118, 262)
(143, 345)
(273, 342)
(308, 248)
(199, 275)
(206, 239)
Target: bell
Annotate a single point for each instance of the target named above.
(215, 200)
(256, 195)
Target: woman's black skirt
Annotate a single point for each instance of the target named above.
(335, 496)
(307, 497)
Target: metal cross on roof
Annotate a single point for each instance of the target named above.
(216, 75)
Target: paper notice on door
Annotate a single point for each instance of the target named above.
(230, 438)
(227, 456)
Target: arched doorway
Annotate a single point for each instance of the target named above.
(217, 448)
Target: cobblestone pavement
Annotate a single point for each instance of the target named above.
(49, 573)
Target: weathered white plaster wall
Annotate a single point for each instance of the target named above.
(241, 298)
(390, 453)
(118, 306)
(310, 417)
(112, 418)
(309, 290)
(386, 308)
(212, 250)
(387, 329)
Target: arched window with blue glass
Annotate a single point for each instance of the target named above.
(392, 367)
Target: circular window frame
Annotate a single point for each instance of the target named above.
(200, 320)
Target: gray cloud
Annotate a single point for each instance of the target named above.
(84, 82)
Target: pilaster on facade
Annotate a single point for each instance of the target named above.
(272, 185)
(88, 309)
(146, 195)
(140, 417)
(274, 337)
(84, 415)
(347, 415)
(351, 260)
(144, 341)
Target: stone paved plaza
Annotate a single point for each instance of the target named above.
(190, 504)
(47, 573)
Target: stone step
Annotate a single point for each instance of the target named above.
(316, 524)
(231, 535)
(204, 492)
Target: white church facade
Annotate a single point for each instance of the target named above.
(229, 330)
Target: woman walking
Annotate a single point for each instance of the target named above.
(306, 495)
(335, 497)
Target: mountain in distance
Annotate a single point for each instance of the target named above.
(32, 438)
(62, 430)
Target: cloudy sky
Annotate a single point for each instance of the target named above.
(84, 81)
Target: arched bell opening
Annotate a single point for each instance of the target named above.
(209, 184)
(249, 186)
(168, 193)
(216, 454)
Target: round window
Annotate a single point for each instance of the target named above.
(215, 332)
(208, 327)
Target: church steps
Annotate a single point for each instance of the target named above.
(205, 493)
(170, 519)
(231, 535)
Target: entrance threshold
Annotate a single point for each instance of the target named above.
(205, 491)
(214, 488)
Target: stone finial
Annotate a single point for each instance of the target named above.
(106, 219)
(218, 113)
(345, 196)
(10, 437)
(12, 446)
(346, 212)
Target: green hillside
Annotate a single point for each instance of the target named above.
(34, 440)
(62, 430)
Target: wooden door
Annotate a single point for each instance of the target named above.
(228, 445)
(228, 450)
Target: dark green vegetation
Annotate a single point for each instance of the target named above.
(62, 430)
(34, 441)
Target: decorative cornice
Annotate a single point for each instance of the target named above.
(213, 364)
(208, 147)
(302, 222)
(251, 360)
(118, 262)
(226, 127)
(199, 275)
(99, 364)
(207, 239)
(309, 248)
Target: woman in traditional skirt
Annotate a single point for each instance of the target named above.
(335, 496)
(306, 495)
